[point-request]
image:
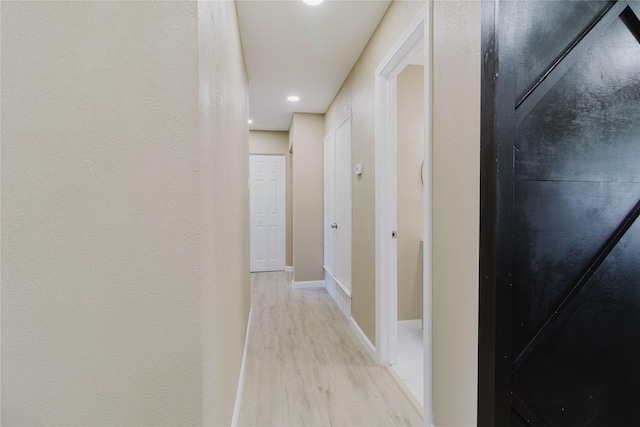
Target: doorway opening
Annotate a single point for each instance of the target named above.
(403, 246)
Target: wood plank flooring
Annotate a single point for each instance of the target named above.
(306, 367)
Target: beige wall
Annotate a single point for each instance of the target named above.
(109, 195)
(456, 206)
(358, 94)
(268, 142)
(410, 154)
(224, 145)
(456, 147)
(307, 139)
(275, 142)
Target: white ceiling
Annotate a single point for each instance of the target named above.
(291, 48)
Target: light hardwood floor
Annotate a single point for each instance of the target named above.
(306, 367)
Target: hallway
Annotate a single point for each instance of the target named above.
(305, 366)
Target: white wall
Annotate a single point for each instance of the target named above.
(113, 214)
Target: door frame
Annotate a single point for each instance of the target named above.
(398, 57)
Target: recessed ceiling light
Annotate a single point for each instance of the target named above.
(313, 2)
(250, 121)
(293, 98)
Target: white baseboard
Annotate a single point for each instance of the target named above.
(308, 284)
(417, 405)
(342, 286)
(236, 406)
(329, 285)
(288, 268)
(364, 340)
(337, 293)
(410, 325)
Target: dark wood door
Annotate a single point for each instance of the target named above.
(559, 341)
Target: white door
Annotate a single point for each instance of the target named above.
(342, 208)
(267, 210)
(329, 199)
(337, 203)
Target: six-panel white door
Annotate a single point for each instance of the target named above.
(267, 211)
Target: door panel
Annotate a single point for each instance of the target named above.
(259, 222)
(586, 127)
(329, 201)
(267, 210)
(343, 204)
(560, 234)
(274, 251)
(274, 208)
(589, 357)
(559, 226)
(545, 30)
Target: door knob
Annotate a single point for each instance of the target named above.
(334, 225)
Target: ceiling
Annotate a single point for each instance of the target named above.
(291, 48)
